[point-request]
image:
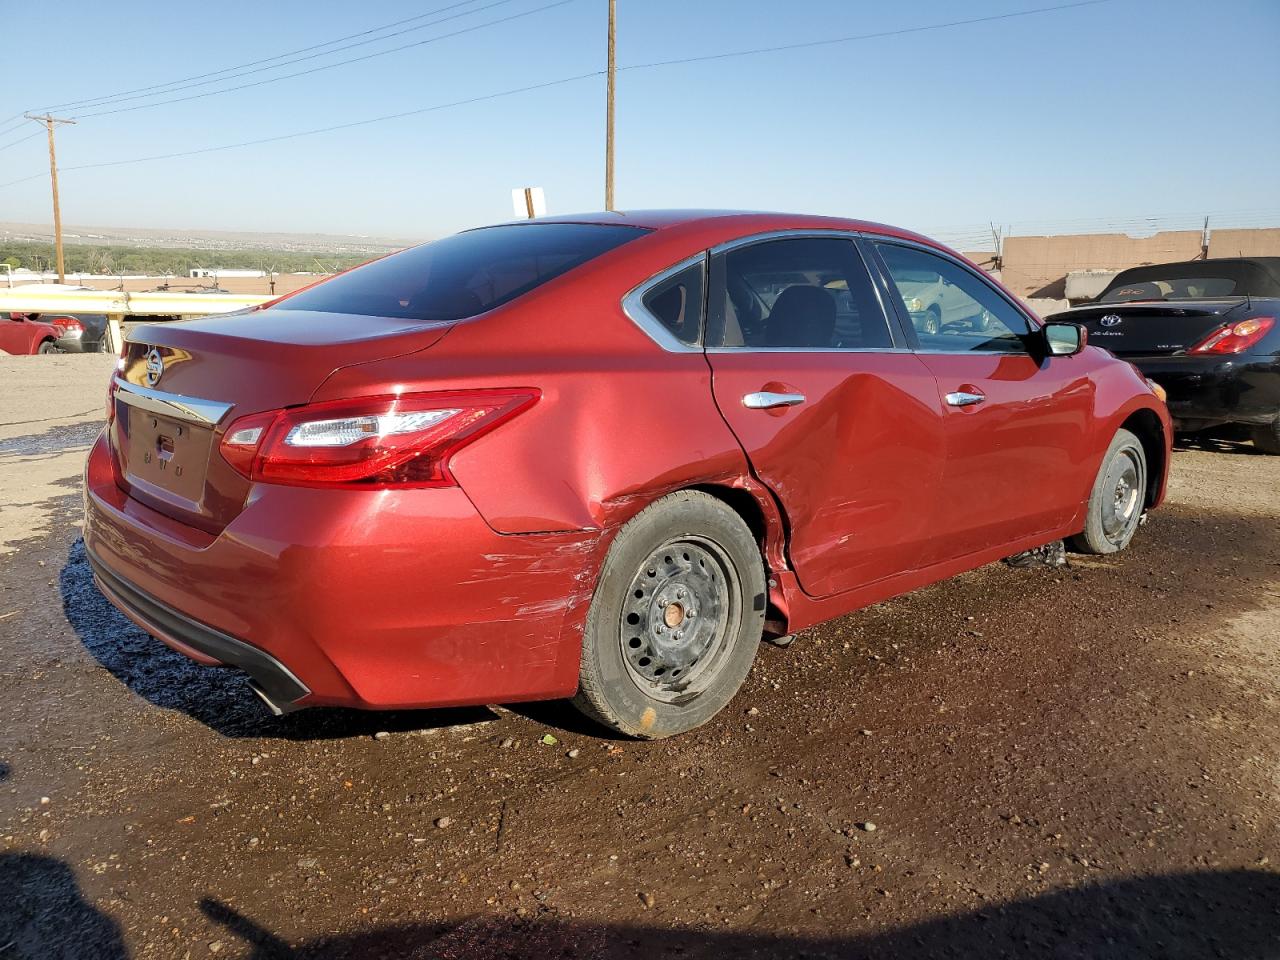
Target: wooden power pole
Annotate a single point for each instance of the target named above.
(50, 121)
(612, 85)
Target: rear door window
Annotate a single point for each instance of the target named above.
(796, 293)
(463, 275)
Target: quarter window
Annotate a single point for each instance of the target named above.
(676, 303)
(795, 293)
(952, 309)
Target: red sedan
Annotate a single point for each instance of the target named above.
(22, 335)
(597, 457)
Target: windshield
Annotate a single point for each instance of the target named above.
(463, 275)
(1178, 288)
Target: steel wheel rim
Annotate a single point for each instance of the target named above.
(1121, 496)
(674, 625)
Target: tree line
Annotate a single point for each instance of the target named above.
(107, 260)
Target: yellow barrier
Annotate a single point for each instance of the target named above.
(121, 303)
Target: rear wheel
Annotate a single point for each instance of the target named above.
(676, 618)
(47, 346)
(1266, 437)
(1117, 500)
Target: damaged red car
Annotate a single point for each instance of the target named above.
(597, 457)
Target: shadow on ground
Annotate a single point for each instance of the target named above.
(1230, 914)
(220, 699)
(1195, 441)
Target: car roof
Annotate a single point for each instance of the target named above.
(736, 221)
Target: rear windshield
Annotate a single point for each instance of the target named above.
(1174, 288)
(463, 275)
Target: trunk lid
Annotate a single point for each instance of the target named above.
(182, 384)
(1152, 328)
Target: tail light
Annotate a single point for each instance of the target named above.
(1236, 338)
(379, 441)
(67, 327)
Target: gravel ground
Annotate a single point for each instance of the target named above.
(1080, 762)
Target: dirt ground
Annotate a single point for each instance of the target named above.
(1069, 763)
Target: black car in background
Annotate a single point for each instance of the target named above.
(78, 332)
(1208, 331)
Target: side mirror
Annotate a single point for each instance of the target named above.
(1065, 339)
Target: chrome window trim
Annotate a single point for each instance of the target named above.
(633, 306)
(206, 413)
(810, 349)
(791, 233)
(816, 233)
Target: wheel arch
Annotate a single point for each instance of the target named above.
(1145, 424)
(754, 503)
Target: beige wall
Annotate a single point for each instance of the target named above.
(1039, 265)
(1245, 243)
(1032, 264)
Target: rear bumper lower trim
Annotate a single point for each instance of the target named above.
(276, 682)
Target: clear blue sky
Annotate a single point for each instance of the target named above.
(1044, 122)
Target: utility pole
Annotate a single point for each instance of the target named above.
(49, 120)
(612, 85)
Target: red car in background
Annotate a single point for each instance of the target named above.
(22, 335)
(596, 457)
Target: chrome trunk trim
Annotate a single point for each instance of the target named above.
(206, 413)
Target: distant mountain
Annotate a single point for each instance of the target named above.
(193, 239)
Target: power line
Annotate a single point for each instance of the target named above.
(538, 86)
(95, 101)
(308, 133)
(330, 66)
(863, 36)
(14, 143)
(245, 73)
(13, 123)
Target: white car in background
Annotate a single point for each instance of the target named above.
(935, 304)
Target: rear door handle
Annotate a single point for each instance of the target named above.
(766, 400)
(962, 399)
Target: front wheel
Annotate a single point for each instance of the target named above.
(931, 323)
(676, 618)
(1117, 500)
(47, 346)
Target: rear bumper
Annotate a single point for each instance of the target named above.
(1210, 390)
(375, 599)
(274, 681)
(79, 344)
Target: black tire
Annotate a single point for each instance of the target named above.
(676, 619)
(47, 346)
(1266, 437)
(1117, 500)
(932, 322)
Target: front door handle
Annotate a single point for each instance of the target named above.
(767, 400)
(962, 399)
